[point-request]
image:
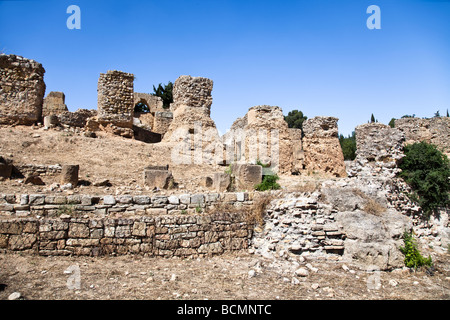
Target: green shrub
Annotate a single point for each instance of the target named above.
(269, 179)
(427, 171)
(413, 258)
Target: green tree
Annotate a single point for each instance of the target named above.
(447, 114)
(141, 107)
(427, 171)
(437, 114)
(392, 123)
(295, 119)
(372, 119)
(348, 146)
(165, 93)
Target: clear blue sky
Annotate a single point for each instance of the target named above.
(316, 56)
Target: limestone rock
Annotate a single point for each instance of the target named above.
(374, 240)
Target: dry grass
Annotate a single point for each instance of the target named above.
(374, 207)
(371, 206)
(257, 212)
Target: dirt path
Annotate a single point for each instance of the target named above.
(230, 276)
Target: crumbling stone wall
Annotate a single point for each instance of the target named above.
(22, 90)
(435, 130)
(263, 134)
(54, 103)
(322, 150)
(162, 121)
(377, 142)
(76, 119)
(192, 129)
(115, 98)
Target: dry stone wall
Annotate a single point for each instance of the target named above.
(166, 236)
(26, 205)
(22, 90)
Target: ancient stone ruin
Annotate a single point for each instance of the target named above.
(355, 212)
(54, 104)
(22, 90)
(263, 134)
(192, 128)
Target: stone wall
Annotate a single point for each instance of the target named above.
(37, 169)
(162, 121)
(76, 119)
(22, 90)
(435, 130)
(299, 224)
(166, 236)
(26, 205)
(376, 142)
(54, 103)
(192, 128)
(115, 98)
(263, 134)
(322, 150)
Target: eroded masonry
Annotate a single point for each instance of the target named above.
(335, 217)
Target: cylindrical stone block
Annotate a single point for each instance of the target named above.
(69, 174)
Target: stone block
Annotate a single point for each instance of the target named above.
(158, 178)
(78, 230)
(5, 170)
(174, 199)
(51, 121)
(221, 181)
(246, 176)
(197, 199)
(141, 199)
(69, 174)
(139, 229)
(22, 242)
(109, 200)
(185, 198)
(36, 199)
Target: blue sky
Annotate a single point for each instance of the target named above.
(315, 56)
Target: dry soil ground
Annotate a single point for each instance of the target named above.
(226, 277)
